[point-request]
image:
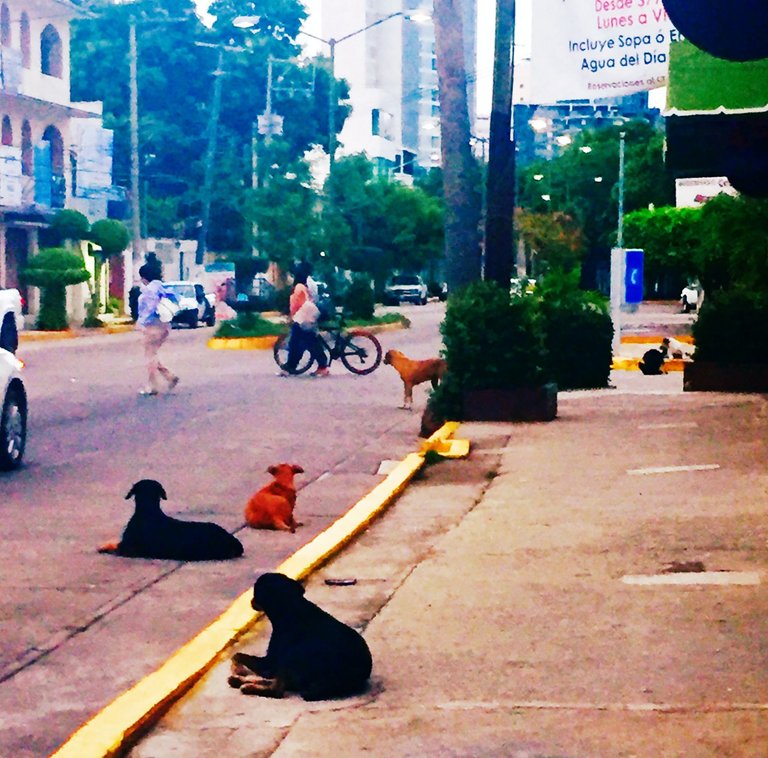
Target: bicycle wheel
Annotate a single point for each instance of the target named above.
(280, 354)
(360, 352)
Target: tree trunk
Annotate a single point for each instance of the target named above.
(460, 185)
(500, 194)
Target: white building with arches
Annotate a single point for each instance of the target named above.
(53, 153)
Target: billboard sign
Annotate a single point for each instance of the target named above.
(590, 49)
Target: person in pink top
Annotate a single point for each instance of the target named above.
(304, 314)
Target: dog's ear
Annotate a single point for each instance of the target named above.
(272, 470)
(161, 491)
(297, 469)
(131, 492)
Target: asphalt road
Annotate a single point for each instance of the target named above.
(79, 627)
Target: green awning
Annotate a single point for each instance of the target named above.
(700, 84)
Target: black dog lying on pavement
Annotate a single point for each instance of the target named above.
(150, 533)
(309, 652)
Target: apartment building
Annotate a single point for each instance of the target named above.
(53, 153)
(392, 72)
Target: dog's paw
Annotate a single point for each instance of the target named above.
(263, 687)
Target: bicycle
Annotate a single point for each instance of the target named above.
(356, 348)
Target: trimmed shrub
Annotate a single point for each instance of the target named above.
(492, 341)
(53, 269)
(359, 300)
(578, 332)
(729, 318)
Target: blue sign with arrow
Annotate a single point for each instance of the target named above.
(633, 276)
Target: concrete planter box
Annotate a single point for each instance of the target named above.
(701, 376)
(514, 404)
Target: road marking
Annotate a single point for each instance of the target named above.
(720, 578)
(495, 705)
(673, 469)
(680, 425)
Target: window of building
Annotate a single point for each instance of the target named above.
(50, 52)
(7, 131)
(435, 109)
(53, 135)
(375, 122)
(27, 153)
(26, 44)
(5, 25)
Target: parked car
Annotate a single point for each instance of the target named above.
(194, 305)
(13, 413)
(11, 319)
(405, 287)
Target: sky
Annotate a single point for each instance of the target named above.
(486, 13)
(485, 20)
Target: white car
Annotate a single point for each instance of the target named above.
(11, 320)
(405, 288)
(13, 416)
(194, 305)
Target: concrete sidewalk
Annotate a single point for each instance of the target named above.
(501, 600)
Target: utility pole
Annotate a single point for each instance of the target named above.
(620, 225)
(210, 154)
(138, 242)
(500, 182)
(332, 102)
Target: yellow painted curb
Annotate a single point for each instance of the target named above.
(631, 364)
(243, 343)
(123, 720)
(642, 339)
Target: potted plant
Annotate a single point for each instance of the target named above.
(731, 348)
(495, 349)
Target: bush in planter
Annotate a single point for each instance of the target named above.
(249, 324)
(578, 332)
(727, 319)
(492, 341)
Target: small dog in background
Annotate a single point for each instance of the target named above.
(309, 652)
(150, 533)
(415, 372)
(272, 506)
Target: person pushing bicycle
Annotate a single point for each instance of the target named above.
(304, 317)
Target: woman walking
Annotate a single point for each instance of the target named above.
(154, 330)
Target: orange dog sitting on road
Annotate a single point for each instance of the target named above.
(272, 506)
(415, 372)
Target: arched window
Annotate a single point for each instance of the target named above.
(26, 42)
(7, 131)
(50, 52)
(27, 152)
(5, 25)
(53, 135)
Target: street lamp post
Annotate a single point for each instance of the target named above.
(245, 22)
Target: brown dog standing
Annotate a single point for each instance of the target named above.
(415, 372)
(272, 506)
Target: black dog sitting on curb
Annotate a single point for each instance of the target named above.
(150, 533)
(309, 652)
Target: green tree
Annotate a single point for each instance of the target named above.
(112, 238)
(69, 226)
(175, 81)
(554, 240)
(53, 269)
